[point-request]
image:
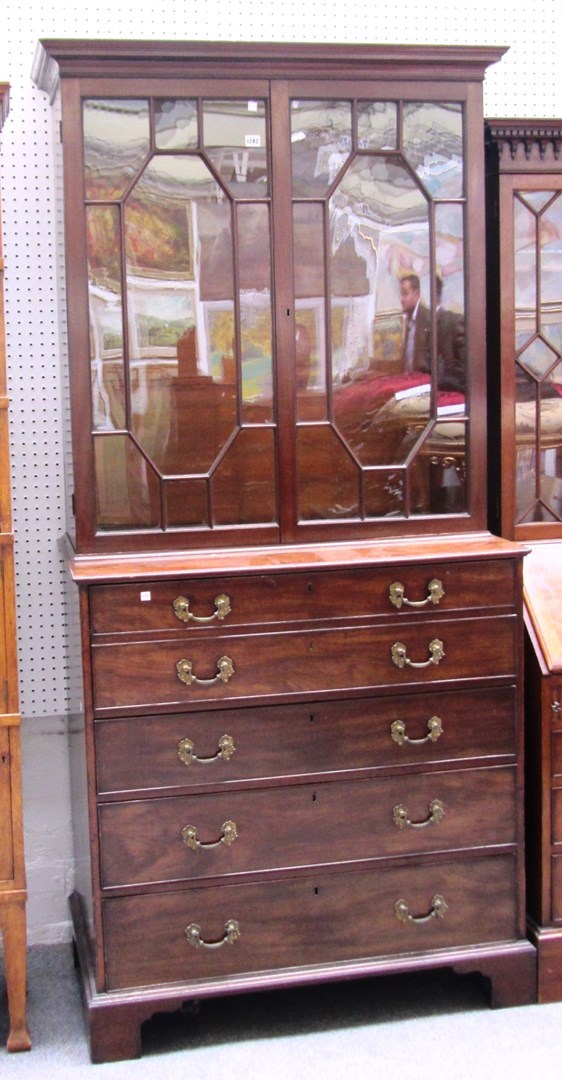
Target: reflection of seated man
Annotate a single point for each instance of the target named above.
(416, 353)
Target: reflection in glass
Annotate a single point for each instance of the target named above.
(383, 492)
(310, 335)
(320, 144)
(235, 139)
(106, 317)
(116, 142)
(525, 266)
(328, 479)
(127, 491)
(175, 124)
(433, 145)
(180, 288)
(437, 473)
(449, 295)
(379, 223)
(537, 200)
(377, 125)
(244, 483)
(550, 239)
(254, 277)
(537, 358)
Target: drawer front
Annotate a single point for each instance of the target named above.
(142, 753)
(557, 753)
(201, 836)
(327, 918)
(295, 663)
(298, 597)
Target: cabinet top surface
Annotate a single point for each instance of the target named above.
(92, 568)
(543, 598)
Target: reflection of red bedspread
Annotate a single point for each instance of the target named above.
(357, 400)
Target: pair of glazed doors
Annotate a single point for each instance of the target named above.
(274, 332)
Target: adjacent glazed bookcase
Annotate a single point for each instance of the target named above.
(525, 211)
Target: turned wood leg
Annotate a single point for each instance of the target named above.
(15, 967)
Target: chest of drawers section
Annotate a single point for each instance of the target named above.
(297, 776)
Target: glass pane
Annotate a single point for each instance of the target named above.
(180, 282)
(526, 442)
(437, 474)
(379, 226)
(310, 326)
(384, 492)
(433, 144)
(536, 199)
(116, 142)
(244, 483)
(377, 125)
(551, 448)
(175, 124)
(525, 267)
(254, 275)
(449, 288)
(127, 490)
(537, 358)
(327, 478)
(235, 138)
(185, 502)
(550, 234)
(320, 144)
(106, 317)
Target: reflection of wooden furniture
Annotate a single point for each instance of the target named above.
(303, 760)
(12, 869)
(524, 161)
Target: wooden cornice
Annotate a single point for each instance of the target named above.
(523, 144)
(67, 58)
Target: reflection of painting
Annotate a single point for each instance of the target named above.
(158, 236)
(387, 340)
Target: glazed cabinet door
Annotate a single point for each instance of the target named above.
(278, 342)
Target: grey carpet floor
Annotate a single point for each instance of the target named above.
(427, 1026)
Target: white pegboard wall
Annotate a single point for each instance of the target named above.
(525, 83)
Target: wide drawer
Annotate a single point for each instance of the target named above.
(199, 836)
(232, 746)
(298, 597)
(249, 666)
(311, 920)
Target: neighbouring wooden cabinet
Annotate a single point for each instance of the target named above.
(525, 226)
(300, 751)
(13, 893)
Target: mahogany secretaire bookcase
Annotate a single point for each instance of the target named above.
(300, 752)
(13, 894)
(525, 211)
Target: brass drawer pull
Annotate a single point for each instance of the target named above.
(399, 657)
(435, 592)
(438, 908)
(436, 813)
(398, 732)
(186, 751)
(231, 934)
(228, 830)
(184, 669)
(222, 609)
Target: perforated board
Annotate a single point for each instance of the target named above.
(525, 83)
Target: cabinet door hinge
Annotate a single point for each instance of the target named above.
(73, 504)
